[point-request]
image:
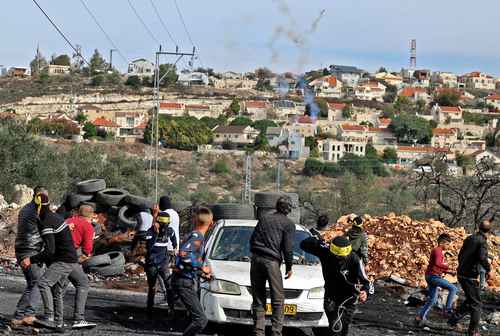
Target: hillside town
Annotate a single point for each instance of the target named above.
(324, 114)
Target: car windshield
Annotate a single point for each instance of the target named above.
(233, 244)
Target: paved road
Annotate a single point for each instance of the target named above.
(120, 313)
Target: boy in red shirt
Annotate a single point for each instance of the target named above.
(434, 278)
(82, 232)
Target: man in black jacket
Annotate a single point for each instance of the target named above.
(59, 254)
(271, 240)
(358, 238)
(473, 254)
(345, 280)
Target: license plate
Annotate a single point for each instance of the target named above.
(288, 309)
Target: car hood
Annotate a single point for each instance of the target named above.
(304, 276)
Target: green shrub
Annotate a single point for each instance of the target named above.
(220, 167)
(313, 167)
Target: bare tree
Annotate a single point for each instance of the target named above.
(465, 200)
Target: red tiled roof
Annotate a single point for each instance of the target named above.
(443, 131)
(351, 127)
(332, 81)
(450, 109)
(337, 106)
(493, 97)
(171, 106)
(255, 104)
(424, 149)
(410, 91)
(304, 120)
(103, 122)
(198, 107)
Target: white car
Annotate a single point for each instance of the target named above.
(228, 298)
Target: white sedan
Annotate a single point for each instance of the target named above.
(228, 298)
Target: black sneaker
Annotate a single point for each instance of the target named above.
(45, 322)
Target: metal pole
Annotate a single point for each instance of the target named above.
(111, 58)
(157, 111)
(278, 176)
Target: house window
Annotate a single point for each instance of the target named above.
(130, 122)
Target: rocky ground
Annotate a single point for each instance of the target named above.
(122, 313)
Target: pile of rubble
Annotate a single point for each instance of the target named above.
(400, 247)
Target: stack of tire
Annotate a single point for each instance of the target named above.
(265, 203)
(121, 209)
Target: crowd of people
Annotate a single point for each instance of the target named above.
(50, 248)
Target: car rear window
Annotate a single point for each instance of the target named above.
(233, 244)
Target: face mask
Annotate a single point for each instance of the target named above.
(485, 230)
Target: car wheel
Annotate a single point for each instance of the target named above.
(111, 196)
(91, 186)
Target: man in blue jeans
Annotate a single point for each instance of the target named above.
(434, 277)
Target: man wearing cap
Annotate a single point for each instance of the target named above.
(82, 233)
(271, 242)
(158, 237)
(345, 280)
(358, 238)
(28, 244)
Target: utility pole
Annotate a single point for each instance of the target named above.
(111, 58)
(247, 189)
(278, 175)
(155, 134)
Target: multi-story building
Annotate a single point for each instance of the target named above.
(198, 110)
(390, 79)
(56, 70)
(444, 79)
(130, 124)
(494, 100)
(335, 111)
(348, 75)
(297, 148)
(370, 91)
(303, 125)
(447, 115)
(193, 78)
(256, 109)
(444, 137)
(284, 108)
(276, 136)
(327, 86)
(172, 109)
(407, 155)
(334, 150)
(479, 81)
(141, 67)
(415, 93)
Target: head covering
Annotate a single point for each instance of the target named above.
(163, 217)
(86, 211)
(165, 203)
(41, 200)
(357, 222)
(340, 246)
(284, 205)
(322, 222)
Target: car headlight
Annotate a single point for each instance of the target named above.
(224, 287)
(316, 293)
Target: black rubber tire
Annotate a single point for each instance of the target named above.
(97, 261)
(74, 200)
(233, 211)
(269, 199)
(91, 186)
(108, 271)
(294, 215)
(117, 258)
(126, 217)
(261, 212)
(111, 196)
(138, 201)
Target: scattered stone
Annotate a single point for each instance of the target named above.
(3, 203)
(22, 195)
(494, 318)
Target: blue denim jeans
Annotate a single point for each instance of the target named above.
(433, 282)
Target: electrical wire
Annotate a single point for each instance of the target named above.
(186, 29)
(164, 25)
(60, 32)
(103, 31)
(153, 37)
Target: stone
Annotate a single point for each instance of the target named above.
(494, 318)
(3, 203)
(22, 195)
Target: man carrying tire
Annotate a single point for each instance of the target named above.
(189, 267)
(157, 239)
(28, 244)
(272, 238)
(82, 233)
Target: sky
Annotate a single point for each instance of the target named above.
(283, 35)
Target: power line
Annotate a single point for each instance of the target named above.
(103, 31)
(143, 23)
(162, 22)
(60, 32)
(186, 29)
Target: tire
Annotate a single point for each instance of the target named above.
(91, 186)
(74, 200)
(233, 211)
(97, 261)
(117, 258)
(111, 196)
(269, 199)
(138, 201)
(126, 217)
(294, 215)
(108, 271)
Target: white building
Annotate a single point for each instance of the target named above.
(480, 81)
(447, 115)
(276, 136)
(193, 78)
(198, 110)
(370, 91)
(141, 67)
(334, 150)
(494, 100)
(390, 78)
(444, 137)
(348, 75)
(444, 79)
(256, 109)
(327, 86)
(55, 70)
(297, 148)
(172, 109)
(238, 135)
(335, 111)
